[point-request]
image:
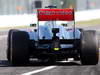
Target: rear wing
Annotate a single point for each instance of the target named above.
(55, 14)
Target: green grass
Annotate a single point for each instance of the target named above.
(89, 23)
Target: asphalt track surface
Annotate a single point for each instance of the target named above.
(38, 68)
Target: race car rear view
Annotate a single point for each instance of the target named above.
(53, 41)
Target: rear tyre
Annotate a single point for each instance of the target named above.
(89, 52)
(9, 43)
(18, 47)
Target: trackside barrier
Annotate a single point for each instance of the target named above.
(17, 20)
(27, 19)
(87, 15)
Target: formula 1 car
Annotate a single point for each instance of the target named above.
(53, 41)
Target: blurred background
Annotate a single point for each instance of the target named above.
(11, 7)
(23, 12)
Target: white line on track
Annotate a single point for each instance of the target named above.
(43, 69)
(39, 70)
(2, 36)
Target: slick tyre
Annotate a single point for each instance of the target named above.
(89, 52)
(9, 43)
(18, 48)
